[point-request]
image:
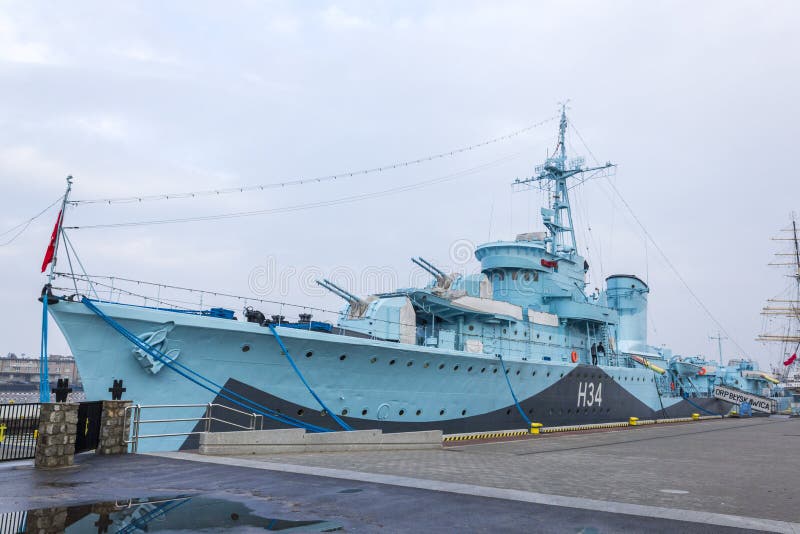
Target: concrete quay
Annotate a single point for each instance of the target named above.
(711, 476)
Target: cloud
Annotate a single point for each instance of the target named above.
(14, 48)
(19, 164)
(335, 18)
(146, 54)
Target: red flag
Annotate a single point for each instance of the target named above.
(51, 248)
(552, 264)
(791, 359)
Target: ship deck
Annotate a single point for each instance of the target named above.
(727, 475)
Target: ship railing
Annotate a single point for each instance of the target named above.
(211, 420)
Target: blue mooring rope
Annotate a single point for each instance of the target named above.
(44, 373)
(176, 366)
(686, 397)
(302, 378)
(508, 381)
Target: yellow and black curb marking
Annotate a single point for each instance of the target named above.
(486, 435)
(576, 428)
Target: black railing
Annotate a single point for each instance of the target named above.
(19, 424)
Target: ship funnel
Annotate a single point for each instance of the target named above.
(628, 295)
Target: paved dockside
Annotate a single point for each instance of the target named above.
(714, 476)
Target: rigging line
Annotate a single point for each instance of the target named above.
(319, 179)
(310, 205)
(25, 224)
(660, 251)
(78, 259)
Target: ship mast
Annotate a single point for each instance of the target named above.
(555, 172)
(789, 308)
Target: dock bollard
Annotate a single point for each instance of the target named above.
(632, 421)
(535, 427)
(696, 416)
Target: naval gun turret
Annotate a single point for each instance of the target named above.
(357, 306)
(444, 281)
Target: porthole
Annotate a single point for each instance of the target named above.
(441, 412)
(562, 375)
(419, 412)
(410, 363)
(508, 412)
(364, 412)
(344, 411)
(300, 412)
(494, 370)
(463, 412)
(245, 348)
(515, 332)
(455, 368)
(550, 338)
(469, 369)
(548, 374)
(518, 372)
(401, 412)
(537, 336)
(309, 354)
(483, 369)
(504, 330)
(441, 366)
(507, 370)
(391, 362)
(426, 365)
(533, 373)
(373, 360)
(343, 357)
(569, 411)
(471, 328)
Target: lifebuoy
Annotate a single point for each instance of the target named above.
(702, 371)
(672, 386)
(574, 356)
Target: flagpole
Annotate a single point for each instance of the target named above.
(44, 370)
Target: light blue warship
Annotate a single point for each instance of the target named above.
(520, 341)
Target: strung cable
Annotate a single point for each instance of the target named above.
(319, 179)
(310, 205)
(662, 253)
(21, 227)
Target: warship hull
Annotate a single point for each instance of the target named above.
(369, 383)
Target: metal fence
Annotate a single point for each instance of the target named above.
(13, 522)
(19, 424)
(211, 420)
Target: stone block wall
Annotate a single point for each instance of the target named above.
(46, 521)
(114, 428)
(57, 427)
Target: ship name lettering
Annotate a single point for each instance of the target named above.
(590, 394)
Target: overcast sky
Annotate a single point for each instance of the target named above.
(695, 101)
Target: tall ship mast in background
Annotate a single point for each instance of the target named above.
(782, 317)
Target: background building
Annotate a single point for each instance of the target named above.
(22, 373)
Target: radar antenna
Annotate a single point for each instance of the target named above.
(555, 171)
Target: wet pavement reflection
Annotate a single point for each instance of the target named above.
(180, 513)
